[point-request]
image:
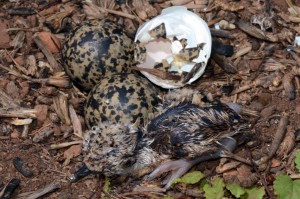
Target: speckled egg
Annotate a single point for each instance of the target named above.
(120, 98)
(94, 49)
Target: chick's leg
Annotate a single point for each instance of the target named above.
(178, 168)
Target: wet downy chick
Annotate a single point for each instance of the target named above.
(186, 130)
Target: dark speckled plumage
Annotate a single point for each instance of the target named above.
(185, 127)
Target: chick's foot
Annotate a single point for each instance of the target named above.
(178, 168)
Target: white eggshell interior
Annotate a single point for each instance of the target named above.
(181, 23)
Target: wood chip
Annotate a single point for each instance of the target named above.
(62, 108)
(40, 192)
(255, 32)
(76, 122)
(5, 39)
(54, 64)
(19, 112)
(51, 41)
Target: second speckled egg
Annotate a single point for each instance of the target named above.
(120, 98)
(94, 49)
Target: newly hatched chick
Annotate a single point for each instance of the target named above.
(185, 128)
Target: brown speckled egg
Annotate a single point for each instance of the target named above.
(94, 49)
(120, 98)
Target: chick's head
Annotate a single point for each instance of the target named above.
(109, 149)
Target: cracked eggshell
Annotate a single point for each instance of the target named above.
(163, 43)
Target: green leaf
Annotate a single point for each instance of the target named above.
(189, 178)
(107, 187)
(192, 177)
(236, 190)
(297, 160)
(215, 190)
(202, 183)
(286, 188)
(255, 193)
(168, 197)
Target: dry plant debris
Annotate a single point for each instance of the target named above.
(41, 126)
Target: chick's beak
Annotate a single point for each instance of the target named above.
(82, 172)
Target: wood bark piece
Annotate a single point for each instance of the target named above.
(17, 112)
(21, 11)
(60, 82)
(76, 122)
(221, 33)
(47, 53)
(288, 85)
(180, 2)
(255, 32)
(264, 81)
(287, 144)
(21, 122)
(62, 109)
(225, 63)
(42, 134)
(40, 192)
(279, 135)
(5, 39)
(7, 101)
(65, 144)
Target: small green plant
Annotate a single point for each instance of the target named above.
(285, 187)
(107, 186)
(214, 189)
(297, 161)
(189, 178)
(217, 189)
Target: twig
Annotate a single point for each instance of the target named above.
(255, 32)
(148, 194)
(14, 72)
(225, 63)
(221, 33)
(119, 13)
(36, 29)
(263, 180)
(40, 192)
(18, 112)
(62, 81)
(262, 81)
(65, 144)
(228, 154)
(279, 135)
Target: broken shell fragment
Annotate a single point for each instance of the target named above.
(172, 49)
